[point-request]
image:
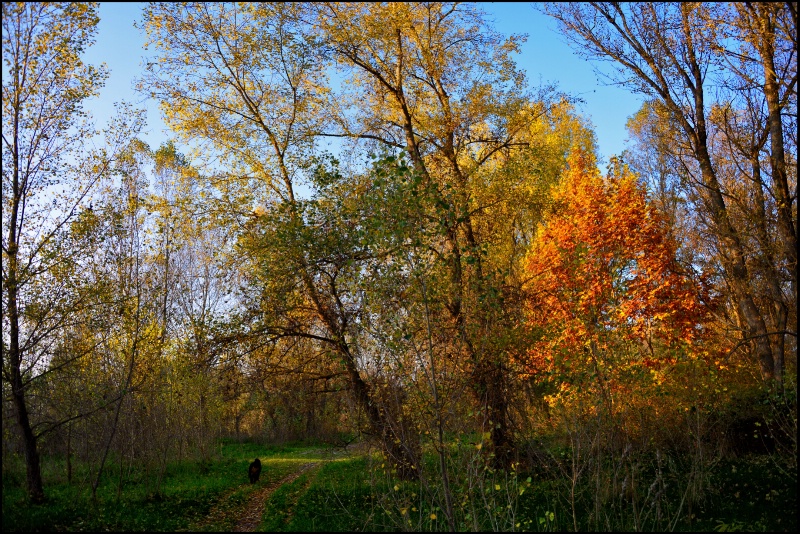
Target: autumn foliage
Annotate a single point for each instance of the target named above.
(604, 277)
(371, 228)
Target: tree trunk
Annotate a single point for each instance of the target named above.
(733, 254)
(777, 156)
(778, 318)
(34, 473)
(489, 389)
(69, 454)
(396, 439)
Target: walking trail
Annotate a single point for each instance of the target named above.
(251, 515)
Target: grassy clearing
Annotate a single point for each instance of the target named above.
(188, 493)
(358, 493)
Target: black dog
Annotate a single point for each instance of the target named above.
(255, 471)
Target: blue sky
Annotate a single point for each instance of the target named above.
(544, 56)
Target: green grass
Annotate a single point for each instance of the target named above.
(357, 493)
(188, 493)
(338, 496)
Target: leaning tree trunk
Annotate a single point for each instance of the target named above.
(397, 440)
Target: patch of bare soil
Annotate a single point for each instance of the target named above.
(251, 515)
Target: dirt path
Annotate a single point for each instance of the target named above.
(248, 517)
(251, 515)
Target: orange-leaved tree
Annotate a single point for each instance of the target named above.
(606, 289)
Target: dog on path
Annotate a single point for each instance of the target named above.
(254, 471)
